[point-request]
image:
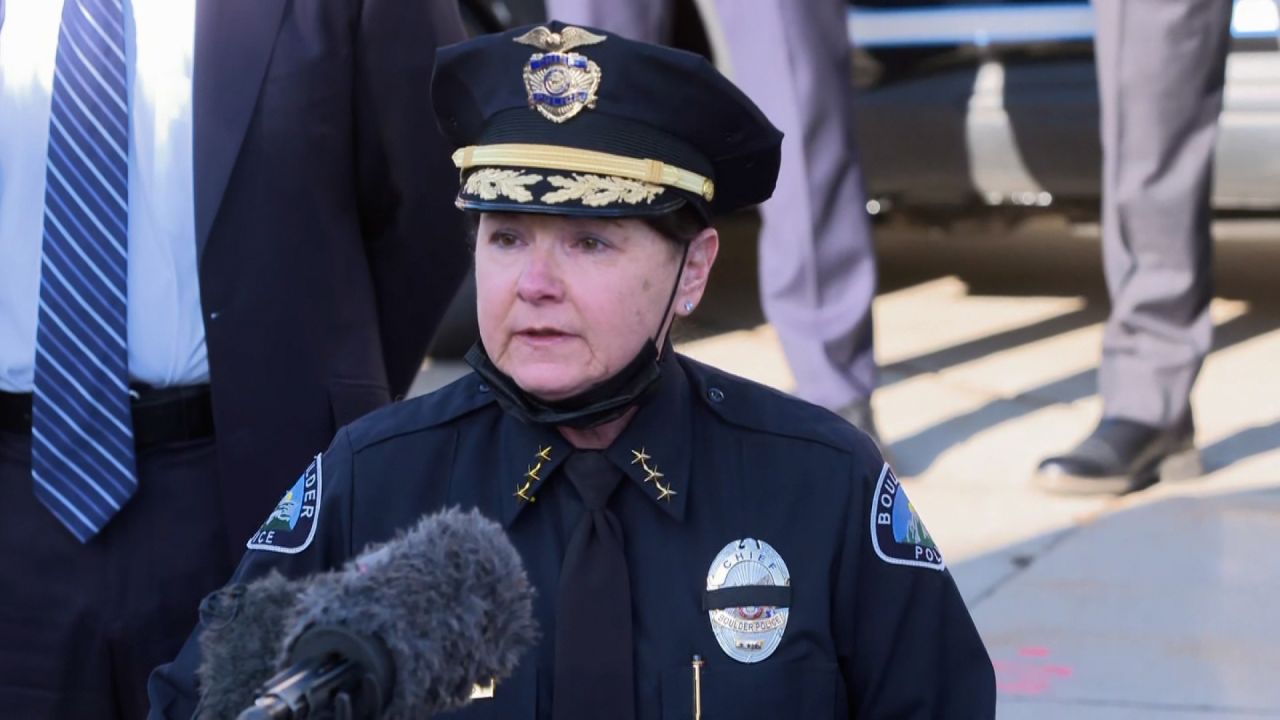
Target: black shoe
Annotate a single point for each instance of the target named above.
(1122, 456)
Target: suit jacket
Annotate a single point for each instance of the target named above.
(329, 246)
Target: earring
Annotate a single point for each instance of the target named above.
(688, 306)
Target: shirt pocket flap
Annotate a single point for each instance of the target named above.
(515, 698)
(740, 691)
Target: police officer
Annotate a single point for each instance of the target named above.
(676, 521)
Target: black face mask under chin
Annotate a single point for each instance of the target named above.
(605, 401)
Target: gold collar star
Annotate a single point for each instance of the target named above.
(531, 475)
(651, 473)
(665, 491)
(522, 492)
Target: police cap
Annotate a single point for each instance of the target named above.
(577, 121)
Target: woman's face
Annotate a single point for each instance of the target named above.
(564, 303)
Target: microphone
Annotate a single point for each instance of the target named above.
(241, 640)
(407, 628)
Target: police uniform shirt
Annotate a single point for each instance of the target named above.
(875, 626)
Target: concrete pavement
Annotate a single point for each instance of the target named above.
(1161, 604)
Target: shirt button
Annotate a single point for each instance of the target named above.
(214, 315)
(716, 394)
(483, 387)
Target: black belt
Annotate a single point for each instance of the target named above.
(161, 416)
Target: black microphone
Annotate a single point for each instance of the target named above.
(241, 641)
(407, 629)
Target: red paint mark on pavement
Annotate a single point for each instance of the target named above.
(1028, 676)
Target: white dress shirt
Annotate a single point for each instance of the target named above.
(166, 332)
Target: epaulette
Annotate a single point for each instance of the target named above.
(440, 407)
(750, 405)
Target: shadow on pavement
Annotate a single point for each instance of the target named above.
(981, 347)
(1242, 445)
(917, 452)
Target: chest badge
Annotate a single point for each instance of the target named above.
(748, 599)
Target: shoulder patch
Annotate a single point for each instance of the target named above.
(292, 525)
(897, 532)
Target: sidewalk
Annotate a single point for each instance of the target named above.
(1161, 604)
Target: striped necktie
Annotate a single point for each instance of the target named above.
(82, 458)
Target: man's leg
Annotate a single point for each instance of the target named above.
(1161, 70)
(817, 260)
(51, 605)
(168, 550)
(82, 625)
(1160, 77)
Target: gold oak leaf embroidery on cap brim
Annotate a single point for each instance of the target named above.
(600, 190)
(490, 183)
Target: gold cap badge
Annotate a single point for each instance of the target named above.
(560, 83)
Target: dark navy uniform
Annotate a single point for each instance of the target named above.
(875, 626)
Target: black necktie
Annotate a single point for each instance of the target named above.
(593, 674)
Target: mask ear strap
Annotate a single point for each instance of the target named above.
(662, 323)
